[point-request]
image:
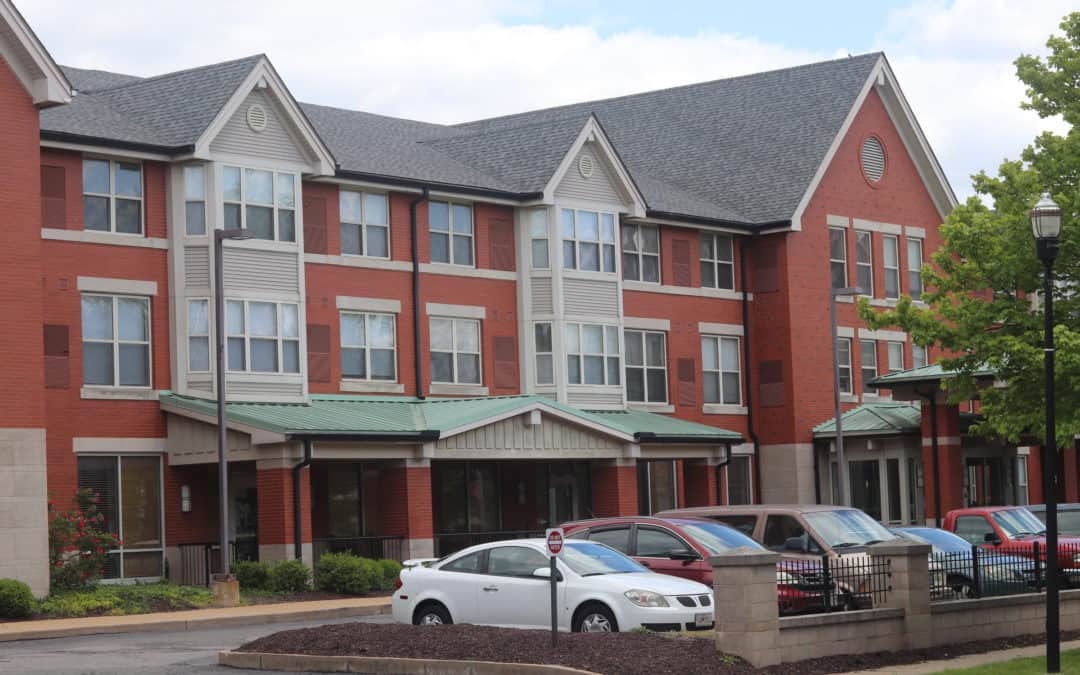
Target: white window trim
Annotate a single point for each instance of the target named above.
(644, 366)
(203, 201)
(843, 261)
(925, 355)
(863, 368)
(454, 351)
(641, 254)
(206, 336)
(869, 264)
(274, 206)
(120, 390)
(279, 338)
(364, 225)
(716, 262)
(840, 365)
(439, 310)
(116, 286)
(643, 323)
(600, 243)
(604, 355)
(916, 269)
(885, 240)
(544, 214)
(720, 339)
(890, 347)
(367, 349)
(112, 196)
(550, 353)
(450, 233)
(377, 305)
(708, 328)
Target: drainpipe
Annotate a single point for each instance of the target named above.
(931, 398)
(298, 547)
(417, 360)
(746, 359)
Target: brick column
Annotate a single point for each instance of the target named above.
(1069, 474)
(950, 459)
(909, 566)
(405, 499)
(702, 487)
(747, 615)
(274, 485)
(614, 488)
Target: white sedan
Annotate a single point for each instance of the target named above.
(507, 583)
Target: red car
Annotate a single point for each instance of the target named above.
(1012, 530)
(682, 547)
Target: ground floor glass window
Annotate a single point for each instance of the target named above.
(657, 486)
(738, 480)
(129, 495)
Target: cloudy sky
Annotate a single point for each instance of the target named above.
(449, 61)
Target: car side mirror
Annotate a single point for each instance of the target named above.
(795, 544)
(992, 538)
(683, 555)
(545, 573)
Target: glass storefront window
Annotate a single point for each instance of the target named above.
(656, 486)
(129, 494)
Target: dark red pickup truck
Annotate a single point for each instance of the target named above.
(1010, 530)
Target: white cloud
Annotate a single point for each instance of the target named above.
(447, 62)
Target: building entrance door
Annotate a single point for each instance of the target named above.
(985, 481)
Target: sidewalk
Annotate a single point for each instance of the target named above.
(251, 615)
(969, 661)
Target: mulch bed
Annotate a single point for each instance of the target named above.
(609, 654)
(272, 598)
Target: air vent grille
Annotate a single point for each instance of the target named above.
(873, 159)
(256, 117)
(585, 166)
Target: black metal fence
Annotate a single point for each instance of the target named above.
(445, 544)
(199, 562)
(365, 547)
(985, 572)
(831, 584)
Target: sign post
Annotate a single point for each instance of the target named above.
(554, 538)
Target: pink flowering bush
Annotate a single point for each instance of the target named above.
(79, 545)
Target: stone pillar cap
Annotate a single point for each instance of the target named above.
(745, 556)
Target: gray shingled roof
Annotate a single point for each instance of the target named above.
(740, 150)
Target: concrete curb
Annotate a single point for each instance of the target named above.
(254, 615)
(373, 665)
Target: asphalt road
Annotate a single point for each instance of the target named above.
(179, 653)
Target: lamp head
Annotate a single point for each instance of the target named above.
(1046, 219)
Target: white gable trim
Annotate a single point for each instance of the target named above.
(592, 131)
(544, 409)
(910, 132)
(41, 77)
(263, 74)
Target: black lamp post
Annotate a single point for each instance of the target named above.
(1046, 225)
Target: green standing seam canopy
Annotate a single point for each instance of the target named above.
(875, 419)
(932, 373)
(409, 418)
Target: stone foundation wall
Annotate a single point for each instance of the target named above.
(24, 530)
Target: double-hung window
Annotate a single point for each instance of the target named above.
(641, 253)
(592, 354)
(262, 337)
(538, 239)
(891, 249)
(365, 224)
(195, 199)
(451, 233)
(720, 365)
(112, 196)
(545, 367)
(263, 202)
(914, 265)
(367, 346)
(199, 336)
(646, 366)
(116, 340)
(864, 262)
(129, 496)
(868, 359)
(717, 261)
(588, 240)
(838, 256)
(843, 364)
(919, 356)
(455, 351)
(896, 356)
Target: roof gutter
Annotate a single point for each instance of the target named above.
(64, 137)
(653, 437)
(717, 222)
(425, 436)
(417, 352)
(298, 529)
(743, 245)
(435, 185)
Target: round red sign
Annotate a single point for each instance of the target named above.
(554, 542)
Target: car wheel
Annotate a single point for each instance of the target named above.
(431, 614)
(595, 619)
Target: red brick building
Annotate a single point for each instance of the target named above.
(442, 334)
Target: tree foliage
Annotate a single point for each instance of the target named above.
(979, 301)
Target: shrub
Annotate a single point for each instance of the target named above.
(78, 543)
(290, 576)
(16, 600)
(390, 571)
(252, 575)
(125, 599)
(346, 573)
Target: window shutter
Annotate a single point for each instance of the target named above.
(687, 371)
(766, 269)
(501, 240)
(680, 262)
(53, 198)
(318, 346)
(771, 383)
(57, 357)
(506, 364)
(314, 224)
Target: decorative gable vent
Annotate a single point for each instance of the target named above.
(256, 117)
(585, 166)
(873, 159)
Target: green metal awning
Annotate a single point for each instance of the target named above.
(931, 373)
(408, 418)
(875, 419)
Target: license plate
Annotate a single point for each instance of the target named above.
(703, 620)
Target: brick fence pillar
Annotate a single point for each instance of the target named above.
(405, 500)
(614, 488)
(701, 478)
(747, 615)
(909, 567)
(274, 489)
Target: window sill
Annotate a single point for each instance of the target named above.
(876, 398)
(453, 270)
(102, 237)
(723, 409)
(849, 398)
(118, 394)
(449, 389)
(883, 302)
(651, 407)
(370, 386)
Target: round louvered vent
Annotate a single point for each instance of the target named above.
(256, 117)
(873, 159)
(585, 166)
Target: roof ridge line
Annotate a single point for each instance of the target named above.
(151, 78)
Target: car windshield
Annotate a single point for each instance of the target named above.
(847, 527)
(716, 538)
(1018, 522)
(589, 558)
(940, 540)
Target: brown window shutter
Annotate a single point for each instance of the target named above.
(501, 238)
(766, 268)
(318, 345)
(506, 363)
(687, 372)
(57, 357)
(314, 224)
(53, 198)
(680, 262)
(771, 383)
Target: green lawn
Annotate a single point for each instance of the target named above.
(1035, 665)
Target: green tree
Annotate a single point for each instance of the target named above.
(979, 300)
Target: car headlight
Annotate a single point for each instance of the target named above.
(646, 598)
